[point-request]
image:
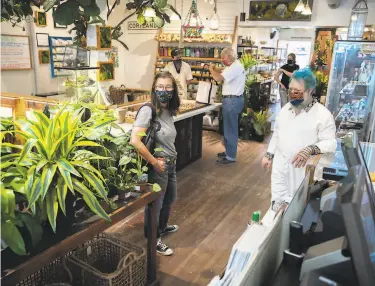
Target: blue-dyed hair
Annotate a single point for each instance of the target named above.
(307, 76)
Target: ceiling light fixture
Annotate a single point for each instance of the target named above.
(149, 12)
(358, 19)
(307, 9)
(214, 19)
(174, 16)
(300, 6)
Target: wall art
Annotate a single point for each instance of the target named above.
(277, 11)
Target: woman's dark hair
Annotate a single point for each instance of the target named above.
(174, 102)
(293, 56)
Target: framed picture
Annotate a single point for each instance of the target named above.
(277, 11)
(106, 71)
(41, 18)
(104, 37)
(56, 25)
(42, 40)
(15, 52)
(44, 57)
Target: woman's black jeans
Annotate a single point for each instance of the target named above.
(168, 183)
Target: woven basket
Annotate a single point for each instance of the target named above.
(117, 94)
(106, 261)
(54, 274)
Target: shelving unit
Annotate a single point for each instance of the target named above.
(56, 54)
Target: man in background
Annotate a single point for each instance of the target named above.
(233, 78)
(181, 71)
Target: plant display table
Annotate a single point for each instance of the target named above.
(35, 262)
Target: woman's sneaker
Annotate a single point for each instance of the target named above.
(169, 229)
(162, 248)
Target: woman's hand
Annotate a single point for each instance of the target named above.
(159, 165)
(300, 159)
(266, 163)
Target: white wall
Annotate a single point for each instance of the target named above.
(44, 81)
(20, 82)
(322, 16)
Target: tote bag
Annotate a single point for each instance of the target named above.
(207, 92)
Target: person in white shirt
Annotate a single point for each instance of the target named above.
(303, 128)
(180, 70)
(233, 78)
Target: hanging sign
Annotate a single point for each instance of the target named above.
(134, 25)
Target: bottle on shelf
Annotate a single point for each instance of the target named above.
(211, 53)
(192, 52)
(165, 53)
(216, 53)
(187, 52)
(169, 51)
(197, 52)
(161, 51)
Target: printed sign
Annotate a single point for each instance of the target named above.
(15, 52)
(134, 25)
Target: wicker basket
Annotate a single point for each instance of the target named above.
(54, 274)
(117, 94)
(106, 261)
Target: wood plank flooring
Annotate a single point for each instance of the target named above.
(213, 207)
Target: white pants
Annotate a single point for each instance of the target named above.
(285, 179)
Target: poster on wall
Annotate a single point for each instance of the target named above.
(15, 52)
(277, 11)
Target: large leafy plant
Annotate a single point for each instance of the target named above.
(82, 13)
(260, 121)
(53, 162)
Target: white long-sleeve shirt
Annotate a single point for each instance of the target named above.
(294, 132)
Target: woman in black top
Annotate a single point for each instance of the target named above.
(286, 71)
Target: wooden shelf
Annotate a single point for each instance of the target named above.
(191, 59)
(34, 263)
(193, 67)
(198, 43)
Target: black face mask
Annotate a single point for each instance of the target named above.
(179, 61)
(291, 62)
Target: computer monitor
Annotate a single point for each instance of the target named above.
(359, 220)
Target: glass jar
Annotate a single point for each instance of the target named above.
(187, 52)
(192, 52)
(216, 53)
(197, 53)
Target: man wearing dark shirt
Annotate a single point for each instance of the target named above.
(286, 71)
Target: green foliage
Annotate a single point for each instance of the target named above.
(248, 61)
(260, 121)
(105, 37)
(49, 157)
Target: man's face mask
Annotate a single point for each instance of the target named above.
(295, 96)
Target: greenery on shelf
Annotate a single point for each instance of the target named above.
(248, 61)
(67, 151)
(82, 13)
(260, 122)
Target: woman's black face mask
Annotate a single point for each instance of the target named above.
(291, 62)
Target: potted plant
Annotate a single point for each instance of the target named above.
(321, 84)
(261, 124)
(55, 162)
(245, 125)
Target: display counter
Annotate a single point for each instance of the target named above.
(259, 257)
(189, 126)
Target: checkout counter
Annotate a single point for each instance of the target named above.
(326, 236)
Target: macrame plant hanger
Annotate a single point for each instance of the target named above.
(193, 25)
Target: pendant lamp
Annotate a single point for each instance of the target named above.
(174, 16)
(149, 12)
(307, 9)
(214, 19)
(358, 19)
(300, 7)
(243, 14)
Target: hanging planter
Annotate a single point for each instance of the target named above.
(193, 25)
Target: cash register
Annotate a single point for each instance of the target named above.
(347, 260)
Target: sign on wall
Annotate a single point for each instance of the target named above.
(15, 52)
(134, 25)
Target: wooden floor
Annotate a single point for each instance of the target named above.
(213, 207)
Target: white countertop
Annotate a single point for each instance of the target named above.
(128, 126)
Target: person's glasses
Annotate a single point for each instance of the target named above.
(164, 87)
(295, 92)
